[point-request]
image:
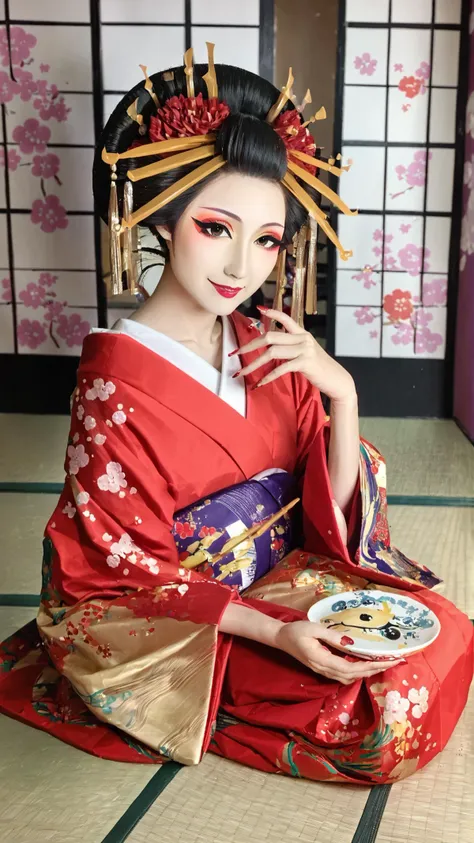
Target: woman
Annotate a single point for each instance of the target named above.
(152, 640)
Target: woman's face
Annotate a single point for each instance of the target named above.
(226, 242)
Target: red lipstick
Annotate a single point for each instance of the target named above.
(226, 292)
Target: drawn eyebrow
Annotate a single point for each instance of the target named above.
(235, 217)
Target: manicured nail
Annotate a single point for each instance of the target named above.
(255, 386)
(262, 308)
(346, 641)
(237, 374)
(231, 353)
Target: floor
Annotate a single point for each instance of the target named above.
(53, 792)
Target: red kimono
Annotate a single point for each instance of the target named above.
(126, 660)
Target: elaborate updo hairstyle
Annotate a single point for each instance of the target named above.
(247, 143)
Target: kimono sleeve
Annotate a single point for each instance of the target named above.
(320, 526)
(138, 637)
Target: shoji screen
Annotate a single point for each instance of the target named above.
(401, 93)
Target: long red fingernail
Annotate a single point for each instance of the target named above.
(255, 386)
(237, 374)
(346, 641)
(262, 308)
(231, 353)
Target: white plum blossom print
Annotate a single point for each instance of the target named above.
(99, 438)
(395, 708)
(113, 561)
(89, 423)
(100, 390)
(77, 458)
(124, 546)
(83, 498)
(183, 588)
(119, 417)
(69, 510)
(344, 718)
(419, 700)
(114, 480)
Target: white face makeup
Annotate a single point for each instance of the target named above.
(226, 242)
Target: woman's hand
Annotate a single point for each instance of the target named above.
(302, 640)
(302, 354)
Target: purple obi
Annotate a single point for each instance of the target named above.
(202, 529)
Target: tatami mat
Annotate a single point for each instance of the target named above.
(23, 517)
(443, 539)
(51, 791)
(424, 456)
(224, 802)
(437, 804)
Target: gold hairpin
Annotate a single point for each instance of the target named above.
(189, 72)
(319, 163)
(133, 113)
(170, 163)
(282, 99)
(311, 303)
(307, 99)
(157, 148)
(297, 190)
(297, 299)
(321, 188)
(149, 85)
(210, 77)
(174, 191)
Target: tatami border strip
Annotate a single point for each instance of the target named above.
(142, 803)
(394, 500)
(367, 830)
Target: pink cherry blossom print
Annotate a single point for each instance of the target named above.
(416, 172)
(53, 309)
(99, 439)
(405, 227)
(6, 287)
(44, 68)
(378, 234)
(413, 260)
(45, 166)
(100, 390)
(49, 214)
(12, 157)
(406, 106)
(47, 280)
(33, 296)
(27, 85)
(31, 136)
(423, 71)
(373, 335)
(426, 342)
(423, 318)
(77, 458)
(69, 510)
(19, 48)
(403, 333)
(73, 329)
(398, 68)
(435, 292)
(364, 316)
(366, 276)
(89, 423)
(8, 88)
(30, 333)
(400, 171)
(365, 64)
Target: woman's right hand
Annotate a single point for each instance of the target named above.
(302, 640)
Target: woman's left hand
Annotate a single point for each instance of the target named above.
(302, 354)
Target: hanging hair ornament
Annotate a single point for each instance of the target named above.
(114, 236)
(297, 299)
(130, 242)
(285, 95)
(311, 304)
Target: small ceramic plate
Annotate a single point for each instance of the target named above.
(381, 624)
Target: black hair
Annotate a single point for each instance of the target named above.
(248, 144)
